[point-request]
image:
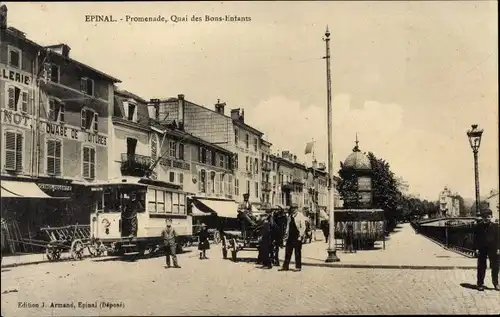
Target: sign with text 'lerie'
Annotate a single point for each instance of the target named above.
(52, 128)
(15, 76)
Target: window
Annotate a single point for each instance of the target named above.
(13, 151)
(236, 136)
(175, 203)
(160, 201)
(255, 144)
(226, 162)
(230, 184)
(18, 99)
(51, 72)
(256, 166)
(256, 189)
(221, 160)
(203, 155)
(131, 111)
(152, 200)
(181, 178)
(172, 148)
(202, 181)
(182, 204)
(15, 55)
(247, 140)
(212, 182)
(246, 158)
(251, 165)
(154, 147)
(87, 86)
(171, 177)
(56, 111)
(214, 158)
(236, 161)
(54, 157)
(236, 186)
(220, 183)
(88, 162)
(209, 157)
(181, 151)
(248, 188)
(89, 118)
(168, 202)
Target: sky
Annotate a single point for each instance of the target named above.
(408, 77)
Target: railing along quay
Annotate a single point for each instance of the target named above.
(454, 235)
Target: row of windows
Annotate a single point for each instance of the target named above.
(247, 140)
(210, 157)
(51, 71)
(14, 144)
(161, 202)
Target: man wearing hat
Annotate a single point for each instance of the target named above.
(203, 243)
(294, 235)
(487, 245)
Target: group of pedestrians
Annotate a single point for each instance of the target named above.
(273, 237)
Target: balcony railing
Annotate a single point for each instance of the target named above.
(135, 165)
(266, 166)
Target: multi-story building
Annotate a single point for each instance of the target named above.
(266, 176)
(228, 132)
(449, 203)
(492, 200)
(55, 123)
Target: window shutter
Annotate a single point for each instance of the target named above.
(12, 99)
(19, 154)
(199, 181)
(84, 119)
(10, 151)
(57, 159)
(153, 147)
(92, 163)
(96, 124)
(61, 112)
(86, 162)
(83, 85)
(24, 101)
(51, 157)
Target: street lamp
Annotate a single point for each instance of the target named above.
(475, 141)
(332, 252)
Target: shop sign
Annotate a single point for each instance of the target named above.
(54, 187)
(16, 76)
(16, 118)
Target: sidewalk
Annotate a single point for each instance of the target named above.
(403, 249)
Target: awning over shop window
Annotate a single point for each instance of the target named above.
(197, 212)
(223, 208)
(13, 189)
(323, 215)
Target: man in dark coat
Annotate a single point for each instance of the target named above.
(294, 237)
(487, 245)
(169, 239)
(133, 207)
(265, 244)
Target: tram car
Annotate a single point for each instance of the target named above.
(129, 215)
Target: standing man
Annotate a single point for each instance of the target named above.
(265, 244)
(487, 245)
(132, 209)
(169, 236)
(294, 235)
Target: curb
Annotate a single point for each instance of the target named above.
(23, 264)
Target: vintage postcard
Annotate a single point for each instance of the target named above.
(249, 158)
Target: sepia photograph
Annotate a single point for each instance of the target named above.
(239, 158)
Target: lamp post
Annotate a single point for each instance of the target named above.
(332, 252)
(475, 141)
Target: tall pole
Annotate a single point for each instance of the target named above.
(332, 252)
(476, 176)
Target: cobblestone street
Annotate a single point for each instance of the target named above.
(217, 286)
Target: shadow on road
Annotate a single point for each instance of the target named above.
(136, 257)
(474, 287)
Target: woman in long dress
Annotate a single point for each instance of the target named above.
(203, 243)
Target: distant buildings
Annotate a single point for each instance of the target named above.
(492, 200)
(449, 203)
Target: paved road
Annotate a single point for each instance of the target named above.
(220, 287)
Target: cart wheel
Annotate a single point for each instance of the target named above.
(234, 251)
(224, 247)
(77, 249)
(217, 239)
(53, 253)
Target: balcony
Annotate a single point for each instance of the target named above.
(297, 181)
(135, 165)
(266, 166)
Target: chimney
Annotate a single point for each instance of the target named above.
(219, 107)
(295, 158)
(314, 164)
(235, 114)
(285, 155)
(242, 117)
(62, 49)
(181, 105)
(3, 17)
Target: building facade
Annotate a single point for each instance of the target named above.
(266, 177)
(228, 132)
(449, 203)
(492, 200)
(55, 123)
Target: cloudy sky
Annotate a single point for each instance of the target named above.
(409, 77)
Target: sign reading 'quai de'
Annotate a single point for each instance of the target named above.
(25, 121)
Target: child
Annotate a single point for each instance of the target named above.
(203, 243)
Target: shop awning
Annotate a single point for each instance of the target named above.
(223, 208)
(323, 215)
(14, 189)
(197, 212)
